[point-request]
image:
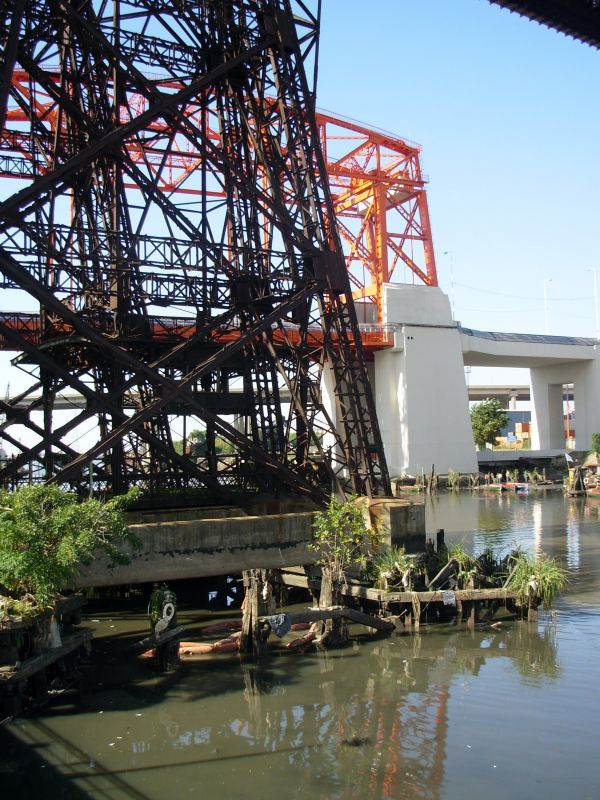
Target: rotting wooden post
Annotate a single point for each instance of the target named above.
(253, 639)
(532, 613)
(439, 535)
(473, 613)
(330, 632)
(311, 574)
(40, 643)
(416, 604)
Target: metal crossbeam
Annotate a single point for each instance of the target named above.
(152, 303)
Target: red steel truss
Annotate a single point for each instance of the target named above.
(376, 181)
(380, 204)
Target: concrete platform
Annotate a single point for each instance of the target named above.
(204, 547)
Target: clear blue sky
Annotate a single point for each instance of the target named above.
(508, 115)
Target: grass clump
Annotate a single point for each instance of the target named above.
(453, 479)
(535, 578)
(390, 566)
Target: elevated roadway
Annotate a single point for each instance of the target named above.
(423, 399)
(577, 18)
(491, 349)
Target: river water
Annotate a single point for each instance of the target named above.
(505, 711)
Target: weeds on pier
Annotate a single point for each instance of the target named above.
(540, 578)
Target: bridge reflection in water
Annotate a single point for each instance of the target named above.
(370, 722)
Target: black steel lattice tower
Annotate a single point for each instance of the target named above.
(173, 234)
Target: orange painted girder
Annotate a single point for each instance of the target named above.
(376, 180)
(168, 329)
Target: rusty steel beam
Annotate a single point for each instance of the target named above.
(103, 99)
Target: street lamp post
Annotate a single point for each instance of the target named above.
(593, 271)
(546, 282)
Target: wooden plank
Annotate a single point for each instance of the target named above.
(33, 665)
(367, 619)
(299, 581)
(293, 571)
(443, 575)
(66, 605)
(152, 641)
(378, 595)
(9, 625)
(339, 612)
(294, 579)
(433, 596)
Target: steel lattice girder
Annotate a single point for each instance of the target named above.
(256, 257)
(376, 180)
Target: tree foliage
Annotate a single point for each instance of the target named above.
(45, 534)
(487, 420)
(198, 445)
(595, 444)
(341, 537)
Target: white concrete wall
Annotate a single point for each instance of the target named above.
(417, 305)
(420, 388)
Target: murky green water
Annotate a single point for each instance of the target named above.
(508, 712)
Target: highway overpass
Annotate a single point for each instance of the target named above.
(422, 395)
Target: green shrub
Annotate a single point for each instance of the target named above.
(390, 565)
(45, 534)
(341, 537)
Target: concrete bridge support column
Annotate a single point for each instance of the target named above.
(547, 404)
(587, 403)
(546, 411)
(420, 388)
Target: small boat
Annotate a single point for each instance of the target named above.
(520, 487)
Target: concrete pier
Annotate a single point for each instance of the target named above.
(199, 547)
(204, 547)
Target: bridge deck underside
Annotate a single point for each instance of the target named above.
(577, 18)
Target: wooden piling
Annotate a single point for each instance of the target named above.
(253, 639)
(26, 681)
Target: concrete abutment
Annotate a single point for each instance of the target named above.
(203, 547)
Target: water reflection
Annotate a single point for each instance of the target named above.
(370, 722)
(573, 516)
(428, 715)
(544, 522)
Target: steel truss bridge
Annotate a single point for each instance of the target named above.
(173, 223)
